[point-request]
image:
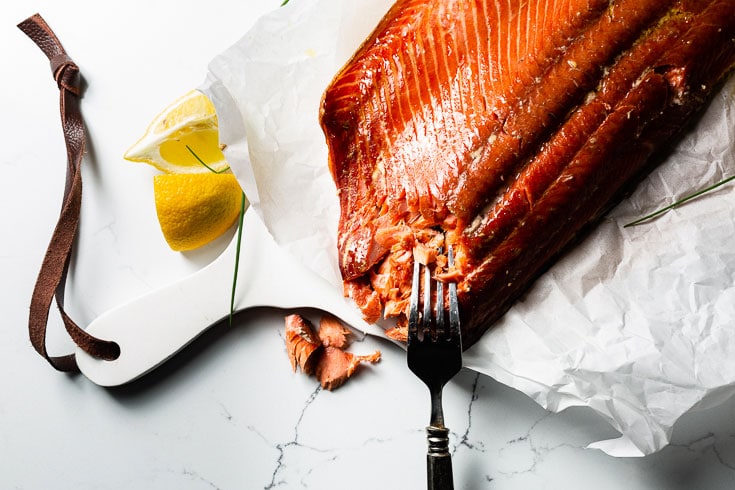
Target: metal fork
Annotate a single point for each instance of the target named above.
(435, 356)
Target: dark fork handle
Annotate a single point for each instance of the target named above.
(438, 459)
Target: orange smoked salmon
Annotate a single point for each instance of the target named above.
(323, 354)
(505, 128)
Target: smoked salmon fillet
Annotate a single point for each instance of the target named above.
(505, 128)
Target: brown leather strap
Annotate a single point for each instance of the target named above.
(52, 277)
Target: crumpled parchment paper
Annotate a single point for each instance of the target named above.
(636, 323)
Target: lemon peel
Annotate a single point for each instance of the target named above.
(195, 208)
(190, 120)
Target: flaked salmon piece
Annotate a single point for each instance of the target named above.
(399, 333)
(302, 343)
(366, 298)
(332, 333)
(322, 353)
(335, 366)
(507, 129)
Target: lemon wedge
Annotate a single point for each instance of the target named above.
(191, 121)
(194, 209)
(197, 197)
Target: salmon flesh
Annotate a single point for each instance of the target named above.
(505, 128)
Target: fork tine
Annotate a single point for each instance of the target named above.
(426, 319)
(439, 320)
(413, 314)
(453, 302)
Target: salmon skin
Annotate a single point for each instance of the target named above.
(505, 129)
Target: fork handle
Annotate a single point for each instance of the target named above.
(438, 460)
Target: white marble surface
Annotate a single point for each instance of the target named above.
(228, 412)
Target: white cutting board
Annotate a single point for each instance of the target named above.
(154, 327)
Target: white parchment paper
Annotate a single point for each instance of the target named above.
(636, 323)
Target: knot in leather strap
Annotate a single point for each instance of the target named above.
(66, 73)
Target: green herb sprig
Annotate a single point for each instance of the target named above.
(243, 203)
(679, 202)
(207, 166)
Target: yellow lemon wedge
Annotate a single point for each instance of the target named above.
(195, 208)
(191, 121)
(197, 197)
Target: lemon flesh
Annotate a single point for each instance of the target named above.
(195, 208)
(191, 121)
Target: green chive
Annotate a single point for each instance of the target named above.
(237, 257)
(202, 162)
(679, 202)
(243, 201)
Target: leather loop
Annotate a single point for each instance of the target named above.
(52, 276)
(66, 73)
(58, 60)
